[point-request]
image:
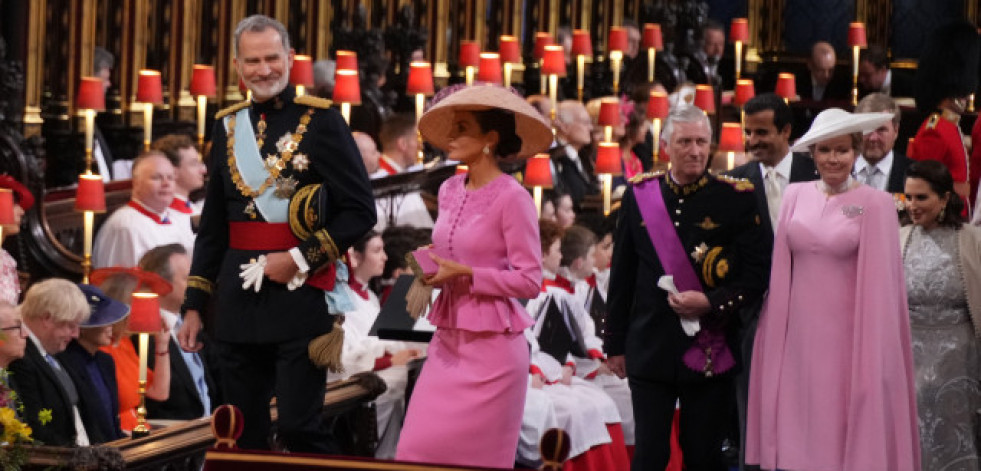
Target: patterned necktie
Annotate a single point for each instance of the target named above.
(774, 195)
(872, 176)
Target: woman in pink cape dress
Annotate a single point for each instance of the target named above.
(832, 385)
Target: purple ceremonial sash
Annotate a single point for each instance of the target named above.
(709, 353)
(673, 257)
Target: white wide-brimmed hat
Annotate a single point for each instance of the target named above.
(834, 122)
(530, 126)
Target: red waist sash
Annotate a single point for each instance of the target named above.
(246, 235)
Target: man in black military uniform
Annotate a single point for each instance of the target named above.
(266, 153)
(720, 238)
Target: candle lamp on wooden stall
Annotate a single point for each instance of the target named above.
(510, 52)
(786, 87)
(538, 176)
(469, 58)
(553, 66)
(657, 110)
(608, 165)
(609, 117)
(149, 92)
(705, 98)
(730, 142)
(244, 90)
(347, 91)
(745, 91)
(301, 74)
(202, 87)
(144, 319)
(653, 42)
(90, 194)
(617, 44)
(542, 40)
(739, 35)
(582, 47)
(856, 39)
(420, 85)
(490, 68)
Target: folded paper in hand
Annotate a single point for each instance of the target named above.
(691, 327)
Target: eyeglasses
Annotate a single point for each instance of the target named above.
(18, 327)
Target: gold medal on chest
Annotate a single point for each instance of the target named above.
(285, 187)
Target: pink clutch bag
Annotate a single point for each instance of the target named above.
(421, 263)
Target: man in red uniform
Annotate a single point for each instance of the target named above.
(946, 75)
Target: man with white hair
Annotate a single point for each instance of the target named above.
(52, 310)
(572, 172)
(698, 235)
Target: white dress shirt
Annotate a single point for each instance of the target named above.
(866, 172)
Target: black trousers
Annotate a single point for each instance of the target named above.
(252, 373)
(705, 414)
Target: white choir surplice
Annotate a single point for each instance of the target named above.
(128, 234)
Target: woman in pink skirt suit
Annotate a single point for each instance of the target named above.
(467, 404)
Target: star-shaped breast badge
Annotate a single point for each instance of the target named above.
(301, 162)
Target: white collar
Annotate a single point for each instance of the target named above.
(398, 167)
(884, 165)
(566, 273)
(37, 343)
(169, 318)
(548, 275)
(163, 214)
(887, 83)
(782, 168)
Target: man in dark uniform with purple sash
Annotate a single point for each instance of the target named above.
(272, 155)
(704, 231)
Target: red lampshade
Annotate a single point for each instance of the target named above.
(652, 36)
(420, 79)
(705, 98)
(241, 86)
(461, 169)
(469, 54)
(731, 138)
(745, 90)
(786, 86)
(149, 89)
(90, 194)
(909, 148)
(609, 112)
(618, 39)
(739, 31)
(91, 94)
(302, 71)
(7, 206)
(582, 43)
(144, 313)
(542, 40)
(203, 80)
(346, 87)
(608, 159)
(553, 63)
(490, 68)
(658, 106)
(856, 35)
(538, 171)
(347, 60)
(509, 49)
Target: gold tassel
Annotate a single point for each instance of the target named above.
(418, 298)
(325, 350)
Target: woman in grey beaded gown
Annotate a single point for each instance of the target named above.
(942, 261)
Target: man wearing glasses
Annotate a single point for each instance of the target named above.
(14, 336)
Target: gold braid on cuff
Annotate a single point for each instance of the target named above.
(200, 283)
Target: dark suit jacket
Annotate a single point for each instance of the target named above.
(838, 89)
(567, 176)
(183, 403)
(897, 174)
(90, 408)
(801, 170)
(38, 388)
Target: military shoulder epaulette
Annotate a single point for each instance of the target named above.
(313, 101)
(232, 109)
(740, 184)
(642, 177)
(933, 120)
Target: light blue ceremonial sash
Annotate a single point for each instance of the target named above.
(251, 166)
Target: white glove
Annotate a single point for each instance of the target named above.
(253, 273)
(297, 281)
(691, 327)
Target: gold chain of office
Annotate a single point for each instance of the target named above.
(286, 154)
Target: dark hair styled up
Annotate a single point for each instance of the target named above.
(502, 121)
(941, 182)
